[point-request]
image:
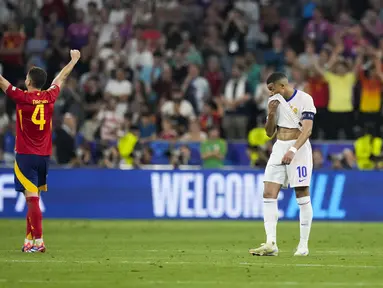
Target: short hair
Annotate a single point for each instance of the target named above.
(38, 77)
(276, 76)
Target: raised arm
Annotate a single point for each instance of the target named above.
(4, 84)
(64, 73)
(378, 64)
(358, 61)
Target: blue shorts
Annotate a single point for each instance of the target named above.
(31, 172)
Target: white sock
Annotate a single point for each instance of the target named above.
(28, 241)
(270, 216)
(39, 241)
(306, 218)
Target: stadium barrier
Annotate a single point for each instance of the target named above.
(193, 194)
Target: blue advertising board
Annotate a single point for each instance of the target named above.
(201, 194)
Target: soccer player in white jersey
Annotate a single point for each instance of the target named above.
(290, 162)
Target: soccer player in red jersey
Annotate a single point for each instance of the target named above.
(34, 110)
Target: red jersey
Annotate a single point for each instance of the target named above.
(34, 119)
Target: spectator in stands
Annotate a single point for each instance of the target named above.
(110, 158)
(162, 86)
(11, 52)
(213, 150)
(275, 56)
(212, 43)
(235, 31)
(196, 88)
(372, 25)
(96, 72)
(194, 134)
(368, 148)
(181, 156)
(344, 160)
(70, 100)
(271, 23)
(179, 67)
(178, 107)
(318, 160)
(262, 93)
(318, 30)
(236, 95)
(93, 97)
(140, 58)
(128, 144)
(57, 53)
(298, 78)
(36, 48)
(253, 71)
(371, 93)
(309, 56)
(84, 154)
(341, 82)
(214, 76)
(144, 157)
(147, 128)
(78, 32)
(167, 132)
(110, 121)
(8, 137)
(259, 147)
(120, 89)
(65, 147)
(211, 115)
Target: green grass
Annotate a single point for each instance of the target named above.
(190, 254)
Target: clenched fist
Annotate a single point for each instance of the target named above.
(75, 55)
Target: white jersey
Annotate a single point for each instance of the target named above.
(300, 102)
(289, 115)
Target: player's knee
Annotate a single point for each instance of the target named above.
(271, 190)
(31, 194)
(302, 191)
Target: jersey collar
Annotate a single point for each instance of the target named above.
(292, 96)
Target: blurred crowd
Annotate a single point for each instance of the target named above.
(192, 71)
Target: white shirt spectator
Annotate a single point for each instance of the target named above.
(105, 35)
(141, 59)
(262, 95)
(118, 89)
(111, 124)
(83, 4)
(202, 91)
(117, 17)
(186, 109)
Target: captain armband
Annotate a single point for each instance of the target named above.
(308, 116)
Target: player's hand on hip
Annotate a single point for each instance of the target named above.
(286, 160)
(273, 105)
(75, 55)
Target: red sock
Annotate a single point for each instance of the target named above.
(29, 226)
(36, 217)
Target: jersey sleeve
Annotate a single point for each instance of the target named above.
(309, 109)
(15, 94)
(52, 93)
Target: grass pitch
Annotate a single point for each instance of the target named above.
(190, 254)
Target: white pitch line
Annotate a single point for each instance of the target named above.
(159, 262)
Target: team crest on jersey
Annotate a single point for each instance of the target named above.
(295, 109)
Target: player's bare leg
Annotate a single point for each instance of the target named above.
(36, 218)
(305, 219)
(270, 212)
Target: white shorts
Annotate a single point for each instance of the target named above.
(298, 173)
